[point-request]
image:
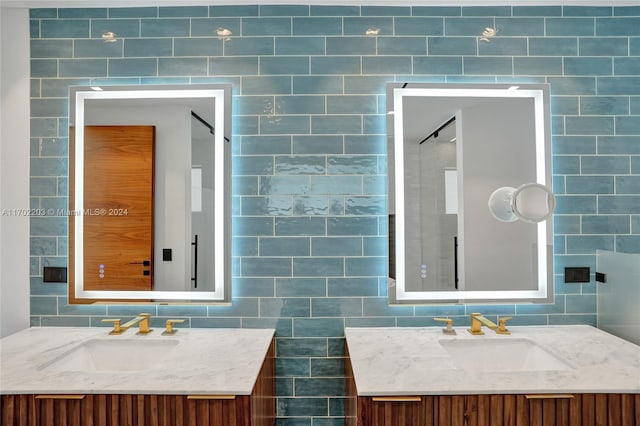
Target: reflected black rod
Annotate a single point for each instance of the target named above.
(195, 262)
(438, 130)
(212, 130)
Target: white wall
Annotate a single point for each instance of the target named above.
(14, 170)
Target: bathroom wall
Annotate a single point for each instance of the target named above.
(309, 166)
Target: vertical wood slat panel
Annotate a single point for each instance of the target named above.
(588, 410)
(509, 410)
(614, 407)
(496, 410)
(484, 410)
(457, 410)
(549, 412)
(522, 411)
(471, 410)
(575, 410)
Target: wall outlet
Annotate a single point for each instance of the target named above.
(51, 274)
(577, 274)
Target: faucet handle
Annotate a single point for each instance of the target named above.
(449, 328)
(502, 325)
(116, 325)
(169, 326)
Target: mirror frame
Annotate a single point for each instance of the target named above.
(220, 95)
(397, 289)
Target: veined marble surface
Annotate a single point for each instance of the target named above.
(204, 361)
(411, 361)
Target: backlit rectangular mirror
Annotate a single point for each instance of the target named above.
(450, 147)
(150, 193)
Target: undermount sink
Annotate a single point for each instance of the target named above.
(499, 355)
(113, 355)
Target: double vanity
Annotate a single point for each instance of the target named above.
(78, 376)
(553, 375)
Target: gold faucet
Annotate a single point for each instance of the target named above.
(142, 320)
(477, 321)
(169, 330)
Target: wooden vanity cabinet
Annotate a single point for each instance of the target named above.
(490, 410)
(257, 409)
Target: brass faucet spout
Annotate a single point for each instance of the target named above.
(142, 320)
(478, 320)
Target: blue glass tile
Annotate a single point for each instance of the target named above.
(300, 104)
(352, 164)
(123, 28)
(300, 226)
(629, 125)
(628, 185)
(604, 105)
(318, 327)
(284, 65)
(553, 46)
(284, 10)
(359, 25)
(352, 286)
(603, 46)
(299, 165)
(452, 46)
(64, 28)
(537, 10)
(635, 224)
(252, 226)
(265, 267)
(510, 46)
(183, 11)
(605, 165)
(301, 287)
(569, 27)
(588, 244)
(275, 85)
(208, 27)
(65, 321)
(336, 307)
(436, 11)
(466, 26)
(148, 47)
(365, 205)
(285, 246)
(300, 45)
(618, 204)
(418, 26)
(487, 65)
(486, 10)
(336, 124)
(576, 204)
(283, 185)
(284, 125)
(310, 205)
(352, 226)
(291, 407)
(537, 66)
(317, 145)
(234, 10)
(327, 367)
(318, 10)
(628, 244)
(83, 67)
(580, 303)
(200, 322)
(626, 66)
(618, 26)
(574, 86)
(43, 13)
(407, 46)
(301, 347)
(379, 306)
(625, 86)
(335, 65)
(587, 11)
(197, 46)
(97, 49)
(257, 145)
(133, 67)
(244, 246)
(336, 185)
(268, 206)
(520, 27)
(589, 185)
(318, 267)
(285, 307)
(319, 386)
(385, 11)
(386, 64)
(605, 224)
(336, 246)
(234, 66)
(574, 144)
(291, 367)
(266, 26)
(34, 28)
(43, 186)
(437, 65)
(43, 305)
(317, 84)
(133, 12)
(249, 46)
(253, 287)
(589, 125)
(317, 26)
(182, 66)
(49, 107)
(253, 165)
(96, 12)
(364, 266)
(365, 144)
(365, 84)
(51, 48)
(167, 27)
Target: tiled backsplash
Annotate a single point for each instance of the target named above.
(309, 166)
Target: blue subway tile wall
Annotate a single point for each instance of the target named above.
(309, 162)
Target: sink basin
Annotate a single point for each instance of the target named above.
(113, 355)
(498, 355)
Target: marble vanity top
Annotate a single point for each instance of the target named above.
(197, 361)
(412, 361)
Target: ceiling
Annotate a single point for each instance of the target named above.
(137, 3)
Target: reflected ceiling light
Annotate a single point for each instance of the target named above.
(373, 31)
(109, 37)
(96, 88)
(488, 33)
(531, 202)
(224, 33)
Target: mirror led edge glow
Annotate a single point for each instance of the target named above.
(219, 244)
(541, 136)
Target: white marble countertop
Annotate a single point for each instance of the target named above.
(411, 361)
(204, 361)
